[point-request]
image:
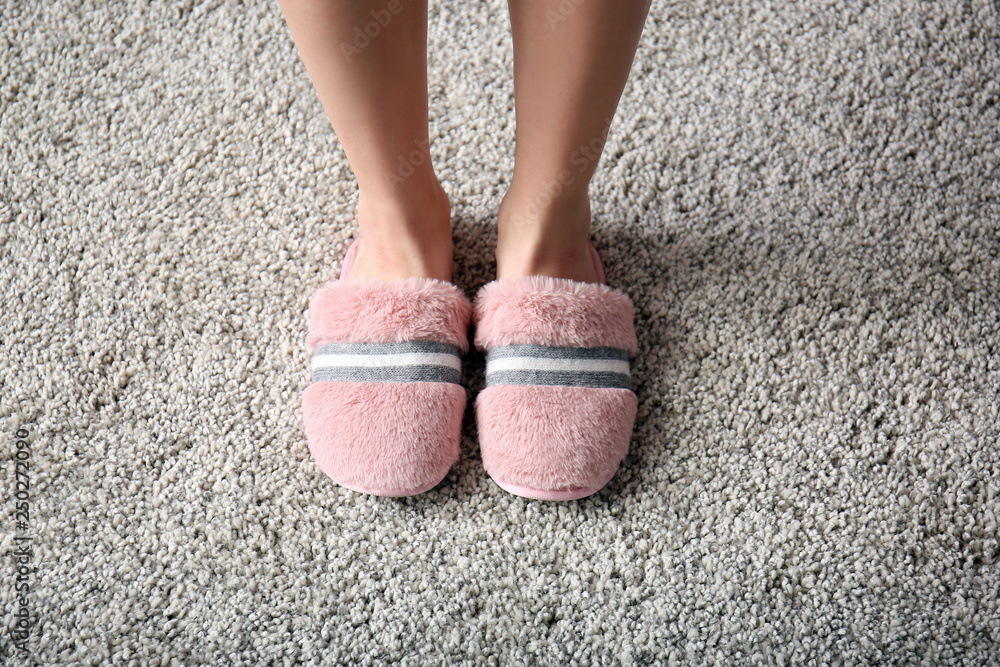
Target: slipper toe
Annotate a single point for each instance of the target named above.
(384, 438)
(553, 443)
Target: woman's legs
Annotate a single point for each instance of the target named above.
(571, 61)
(368, 62)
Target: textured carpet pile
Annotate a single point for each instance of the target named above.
(801, 198)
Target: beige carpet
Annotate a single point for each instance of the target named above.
(800, 197)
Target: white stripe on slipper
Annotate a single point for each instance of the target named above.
(385, 360)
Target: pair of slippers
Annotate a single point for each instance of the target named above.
(383, 414)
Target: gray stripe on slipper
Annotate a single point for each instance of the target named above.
(400, 374)
(561, 379)
(555, 352)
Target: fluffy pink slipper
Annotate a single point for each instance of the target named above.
(557, 413)
(383, 414)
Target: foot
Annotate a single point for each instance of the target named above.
(552, 241)
(404, 238)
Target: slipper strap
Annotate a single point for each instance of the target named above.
(524, 364)
(408, 361)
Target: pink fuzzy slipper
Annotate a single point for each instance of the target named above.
(383, 414)
(557, 413)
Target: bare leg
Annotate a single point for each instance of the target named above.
(571, 62)
(368, 62)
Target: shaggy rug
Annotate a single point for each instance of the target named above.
(802, 200)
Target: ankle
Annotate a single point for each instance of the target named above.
(404, 237)
(551, 240)
(413, 212)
